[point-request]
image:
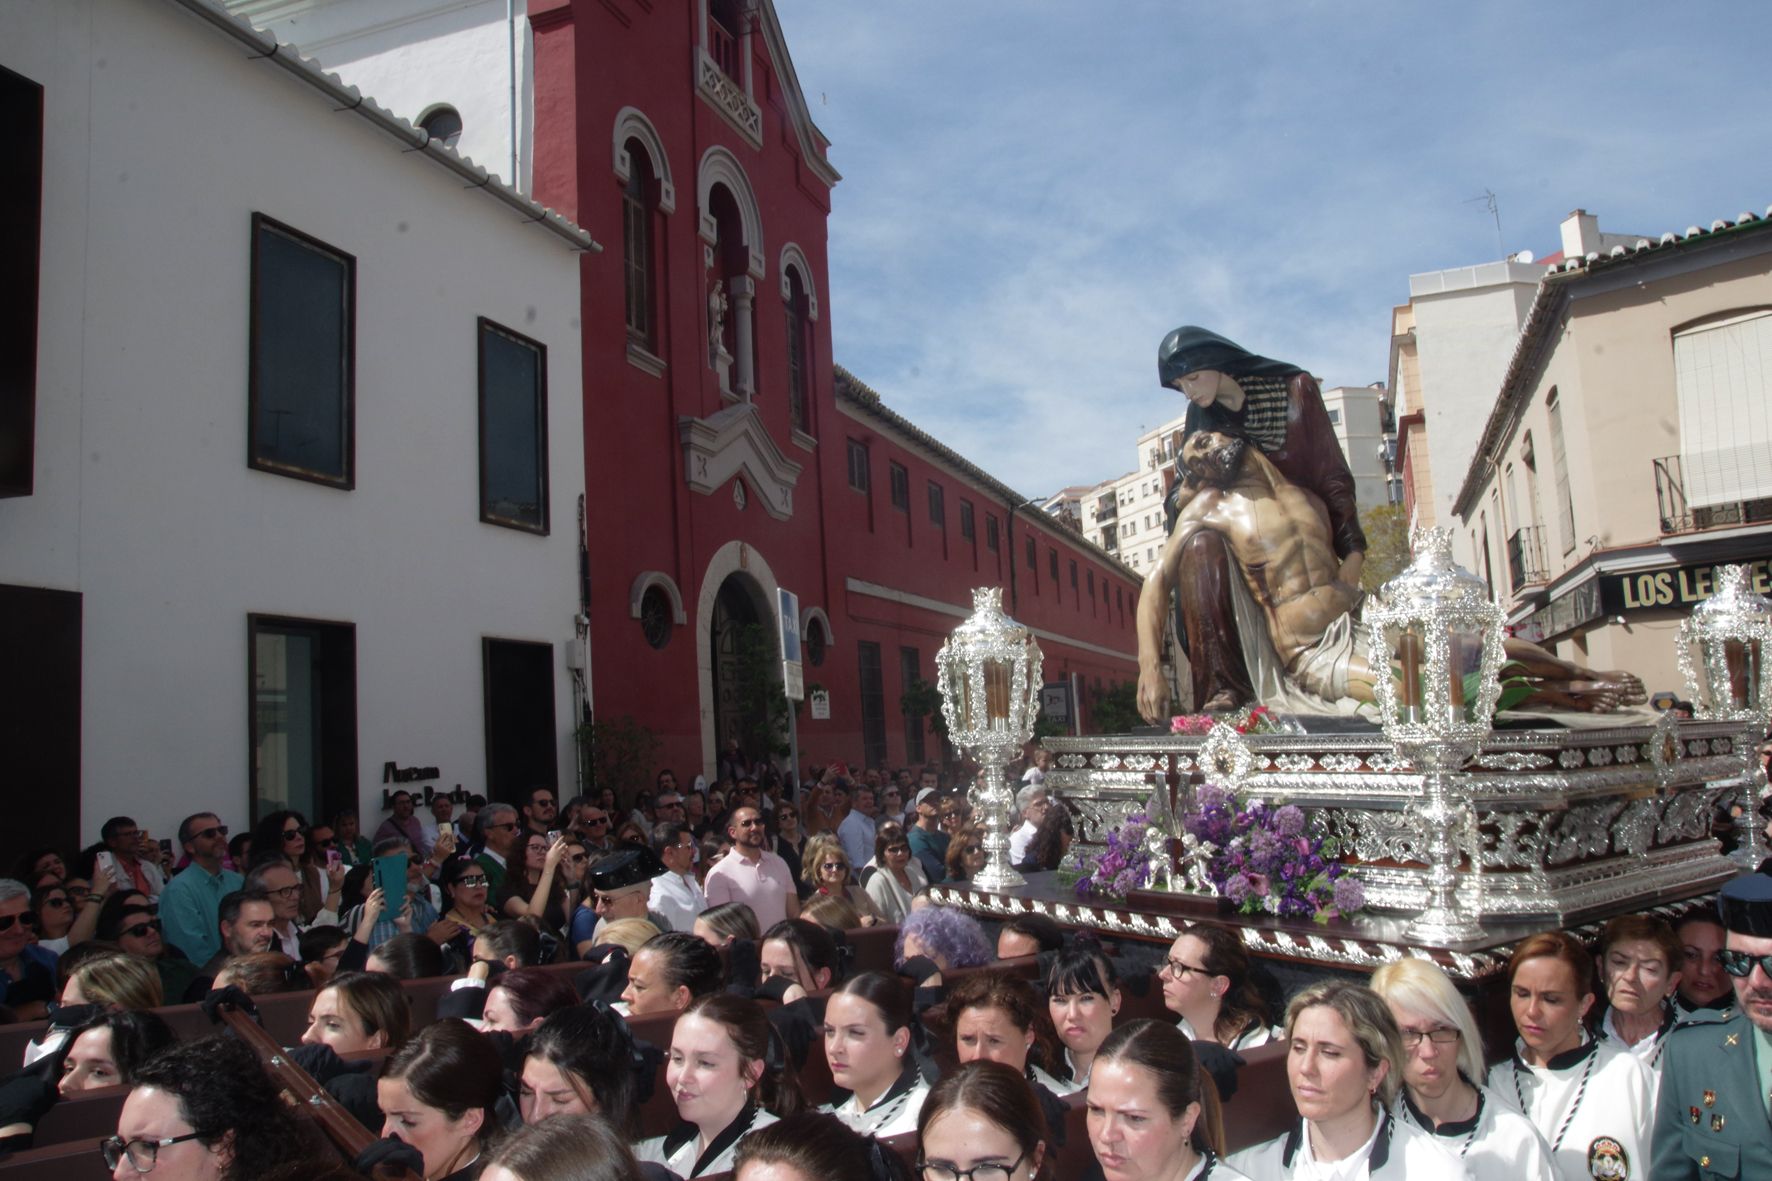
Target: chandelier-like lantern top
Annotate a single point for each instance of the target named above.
(989, 671)
(1434, 642)
(1722, 648)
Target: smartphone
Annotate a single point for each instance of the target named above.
(390, 878)
(166, 846)
(333, 857)
(554, 835)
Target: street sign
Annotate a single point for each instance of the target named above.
(793, 678)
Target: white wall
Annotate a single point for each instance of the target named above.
(401, 51)
(1359, 428)
(1466, 322)
(162, 139)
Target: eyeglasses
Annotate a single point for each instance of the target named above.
(600, 899)
(58, 903)
(141, 1153)
(973, 850)
(26, 918)
(502, 824)
(833, 866)
(1442, 1036)
(1180, 970)
(1738, 964)
(943, 1171)
(214, 830)
(579, 858)
(325, 844)
(141, 929)
(471, 882)
(291, 834)
(595, 821)
(898, 848)
(285, 891)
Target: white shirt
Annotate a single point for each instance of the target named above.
(1498, 1144)
(1588, 1094)
(1394, 1151)
(1254, 1035)
(678, 898)
(682, 1161)
(890, 1115)
(1019, 841)
(892, 900)
(856, 835)
(1647, 1050)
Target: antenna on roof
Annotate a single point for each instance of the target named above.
(1493, 204)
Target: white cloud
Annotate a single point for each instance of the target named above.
(1035, 193)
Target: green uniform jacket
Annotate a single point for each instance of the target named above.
(1709, 1121)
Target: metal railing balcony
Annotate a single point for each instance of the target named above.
(1678, 515)
(1525, 558)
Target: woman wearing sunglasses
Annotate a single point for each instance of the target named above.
(897, 877)
(1207, 983)
(286, 833)
(789, 841)
(965, 854)
(829, 871)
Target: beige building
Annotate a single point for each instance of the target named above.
(1629, 450)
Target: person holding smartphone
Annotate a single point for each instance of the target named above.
(123, 860)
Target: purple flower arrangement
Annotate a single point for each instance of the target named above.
(1124, 866)
(1270, 860)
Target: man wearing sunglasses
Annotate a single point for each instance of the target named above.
(27, 972)
(191, 900)
(1712, 1117)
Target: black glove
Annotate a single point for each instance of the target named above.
(1222, 1065)
(744, 963)
(220, 1000)
(321, 1062)
(25, 1097)
(919, 968)
(773, 988)
(390, 1150)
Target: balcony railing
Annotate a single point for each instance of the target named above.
(1525, 558)
(725, 48)
(1107, 508)
(1680, 516)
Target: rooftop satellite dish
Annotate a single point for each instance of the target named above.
(1523, 256)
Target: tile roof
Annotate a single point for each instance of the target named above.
(1547, 307)
(349, 98)
(852, 391)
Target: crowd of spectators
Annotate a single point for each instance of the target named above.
(729, 914)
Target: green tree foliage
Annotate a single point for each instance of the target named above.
(763, 707)
(1115, 710)
(1387, 544)
(923, 700)
(618, 753)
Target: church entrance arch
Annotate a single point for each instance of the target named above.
(738, 588)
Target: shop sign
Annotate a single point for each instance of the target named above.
(1680, 588)
(1570, 611)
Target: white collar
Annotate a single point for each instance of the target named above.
(1309, 1168)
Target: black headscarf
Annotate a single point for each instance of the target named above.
(1189, 348)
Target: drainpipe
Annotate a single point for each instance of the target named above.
(511, 61)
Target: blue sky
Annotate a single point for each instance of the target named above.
(1035, 192)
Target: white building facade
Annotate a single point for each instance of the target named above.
(1360, 415)
(298, 518)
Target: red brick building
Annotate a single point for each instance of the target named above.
(726, 454)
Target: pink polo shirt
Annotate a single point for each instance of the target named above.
(763, 885)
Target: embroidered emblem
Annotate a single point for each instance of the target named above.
(1607, 1160)
(1710, 1098)
(1716, 1123)
(1695, 1113)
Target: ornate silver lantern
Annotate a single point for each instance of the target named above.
(1722, 648)
(1434, 643)
(989, 672)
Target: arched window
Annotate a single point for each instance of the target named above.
(797, 312)
(639, 205)
(443, 123)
